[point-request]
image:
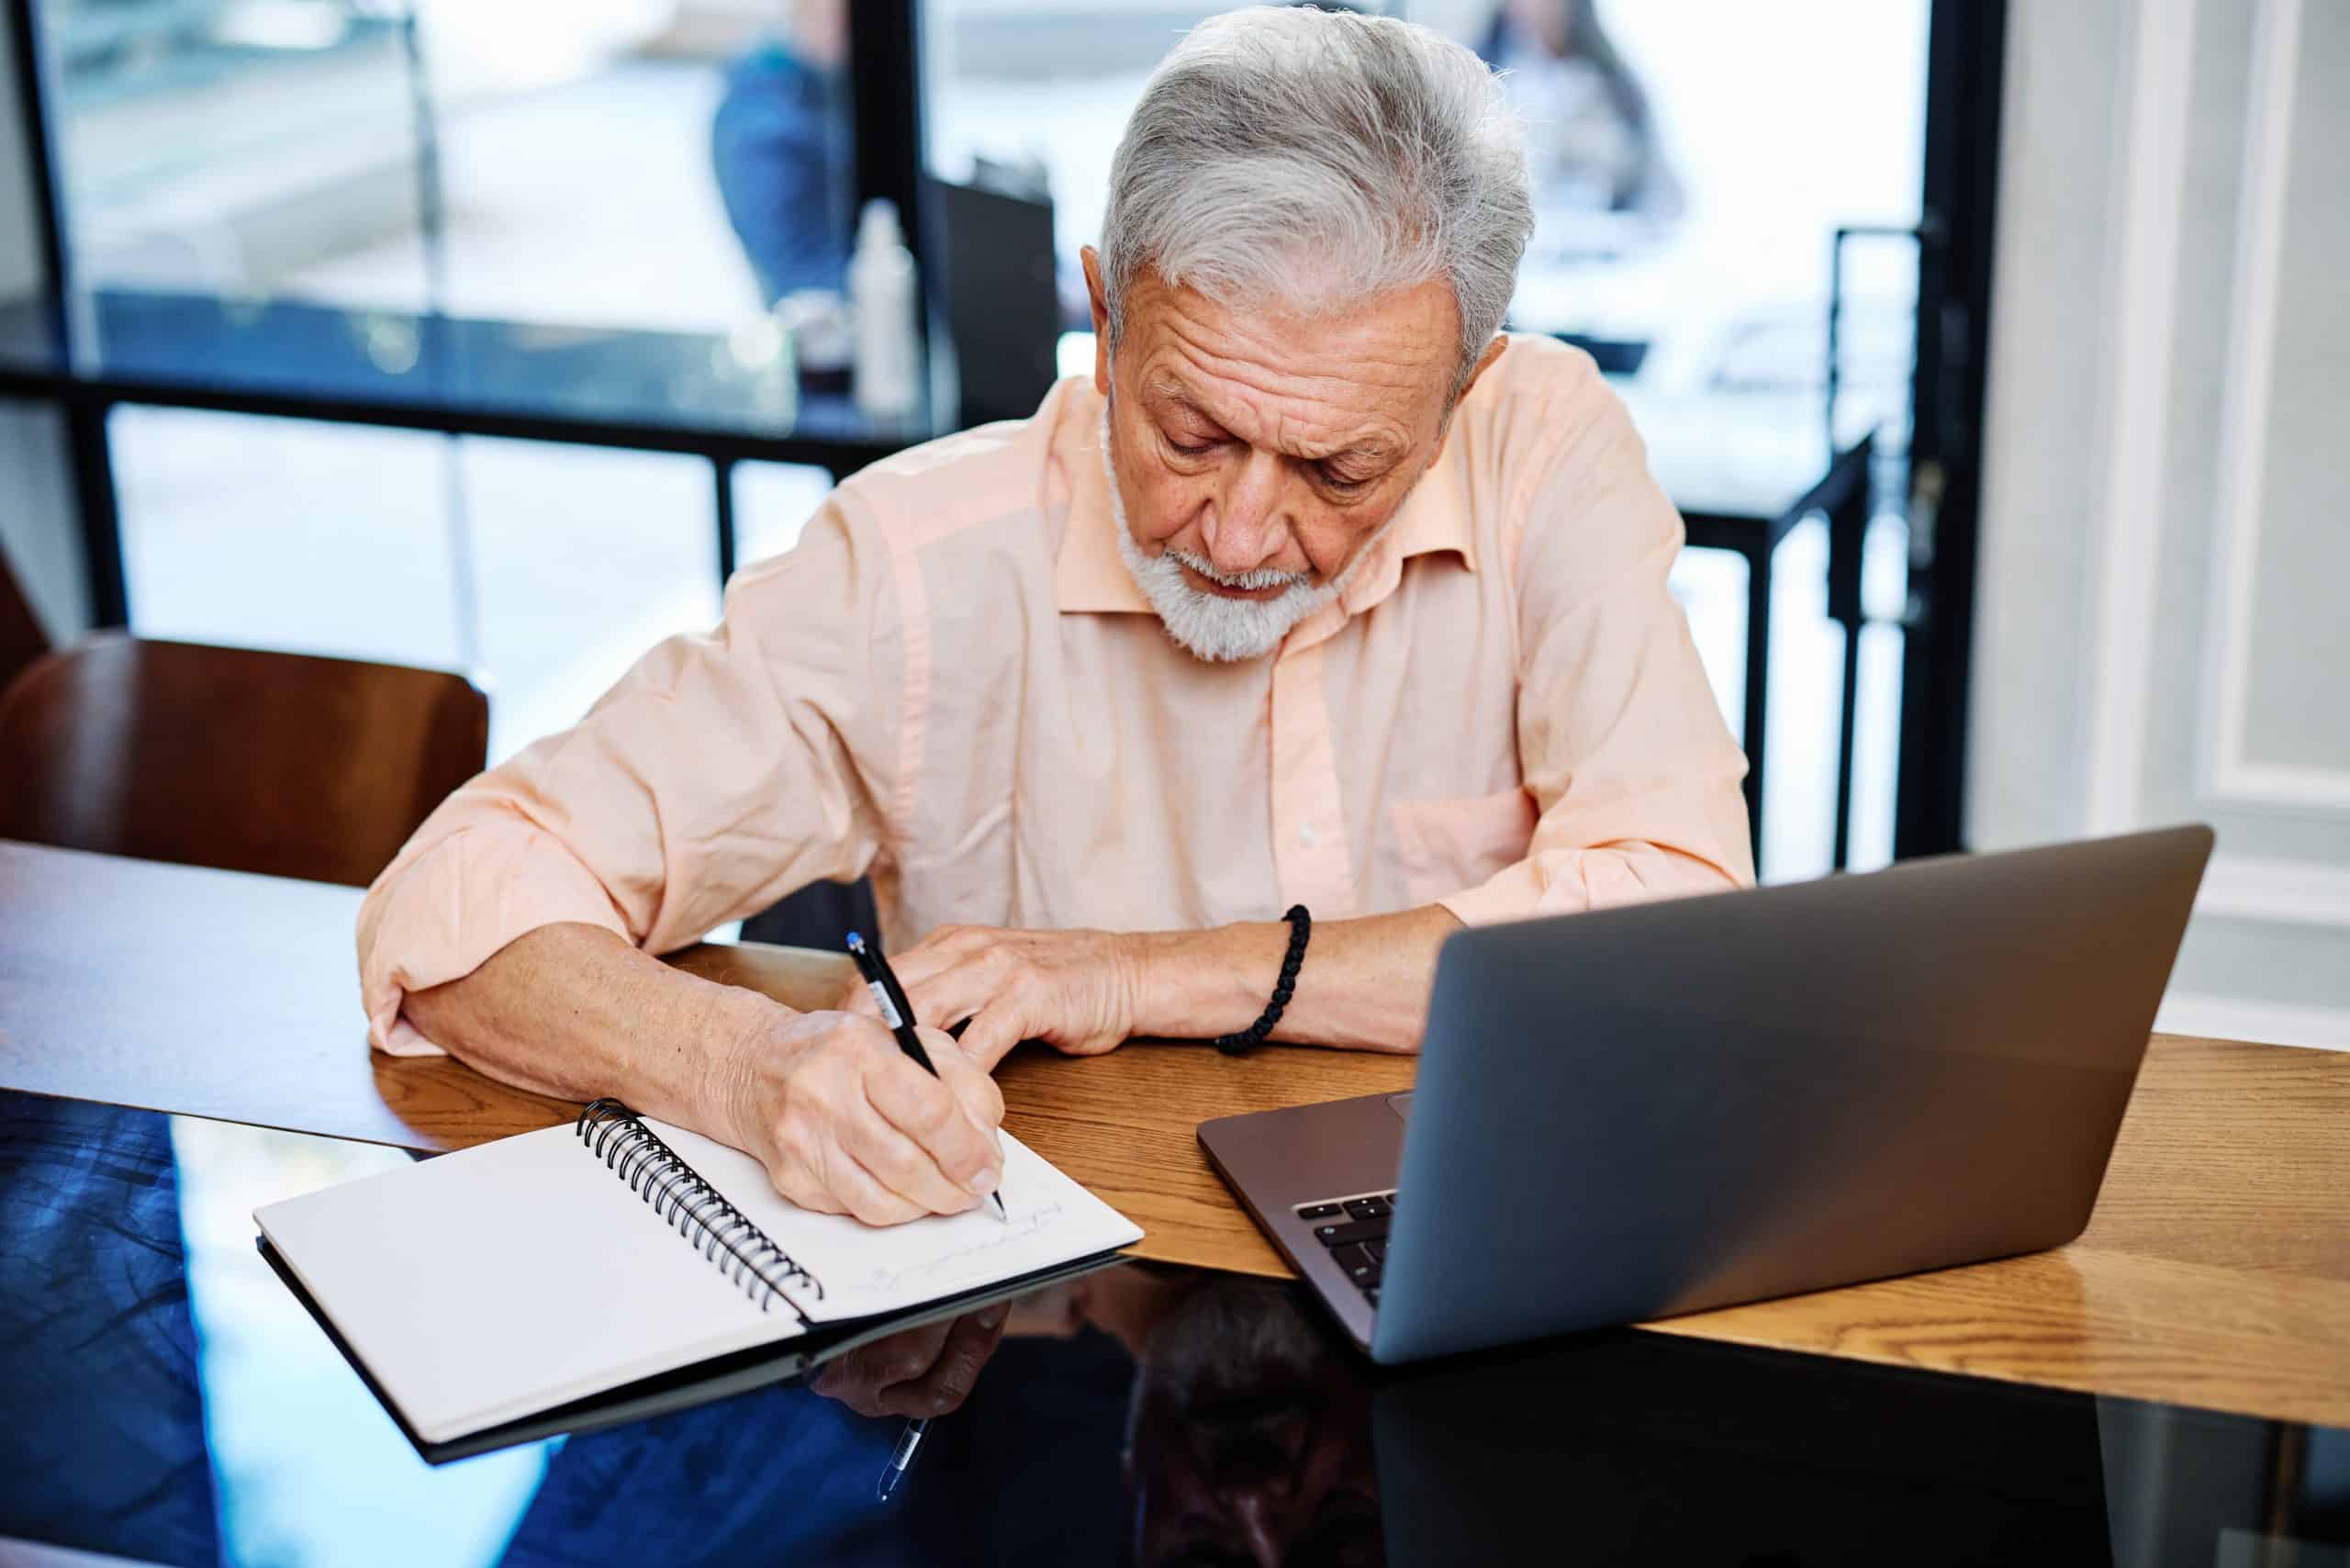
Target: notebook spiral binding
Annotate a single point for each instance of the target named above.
(696, 1210)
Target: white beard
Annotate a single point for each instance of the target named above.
(1209, 625)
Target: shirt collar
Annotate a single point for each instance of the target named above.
(1090, 577)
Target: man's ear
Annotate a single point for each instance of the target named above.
(1099, 297)
(1484, 363)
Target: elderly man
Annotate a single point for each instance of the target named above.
(1318, 593)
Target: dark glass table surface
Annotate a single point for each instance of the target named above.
(166, 1400)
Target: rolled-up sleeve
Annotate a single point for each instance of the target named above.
(1634, 773)
(723, 771)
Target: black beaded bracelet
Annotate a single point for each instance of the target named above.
(1301, 927)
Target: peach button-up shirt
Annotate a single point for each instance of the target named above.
(953, 686)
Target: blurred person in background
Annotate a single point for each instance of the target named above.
(1592, 142)
(783, 146)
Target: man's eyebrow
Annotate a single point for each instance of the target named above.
(1371, 449)
(1166, 388)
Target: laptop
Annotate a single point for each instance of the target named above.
(1640, 1111)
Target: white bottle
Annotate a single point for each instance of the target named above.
(881, 296)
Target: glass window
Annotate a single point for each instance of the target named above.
(597, 162)
(343, 549)
(544, 571)
(584, 559)
(773, 501)
(221, 148)
(1710, 588)
(1692, 161)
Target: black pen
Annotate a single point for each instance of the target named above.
(899, 1014)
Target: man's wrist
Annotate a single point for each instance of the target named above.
(1199, 984)
(742, 1030)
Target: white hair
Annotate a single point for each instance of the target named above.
(1321, 158)
(1209, 625)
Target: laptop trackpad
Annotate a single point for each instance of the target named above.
(1402, 1106)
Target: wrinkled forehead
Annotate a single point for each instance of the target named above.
(1384, 363)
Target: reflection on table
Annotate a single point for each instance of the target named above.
(1146, 1414)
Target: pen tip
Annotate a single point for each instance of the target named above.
(1000, 1212)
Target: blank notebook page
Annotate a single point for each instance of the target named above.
(485, 1285)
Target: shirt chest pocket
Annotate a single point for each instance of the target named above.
(1445, 846)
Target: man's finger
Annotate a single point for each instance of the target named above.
(859, 1379)
(940, 990)
(902, 1165)
(904, 1358)
(954, 1371)
(945, 999)
(806, 1191)
(863, 1194)
(964, 1073)
(993, 1031)
(919, 965)
(900, 1357)
(927, 1111)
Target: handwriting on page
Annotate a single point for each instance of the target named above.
(1025, 1224)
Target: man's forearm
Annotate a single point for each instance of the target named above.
(1364, 983)
(575, 1010)
(844, 1123)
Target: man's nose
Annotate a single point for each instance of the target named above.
(1245, 529)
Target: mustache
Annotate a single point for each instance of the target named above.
(1261, 578)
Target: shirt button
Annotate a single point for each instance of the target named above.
(1307, 836)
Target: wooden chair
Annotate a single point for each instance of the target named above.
(246, 761)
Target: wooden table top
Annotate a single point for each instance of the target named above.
(2216, 1271)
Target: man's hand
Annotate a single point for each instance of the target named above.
(1076, 991)
(927, 1371)
(1365, 984)
(845, 1124)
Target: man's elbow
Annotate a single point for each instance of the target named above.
(1646, 872)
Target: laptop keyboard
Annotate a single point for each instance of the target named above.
(1354, 1230)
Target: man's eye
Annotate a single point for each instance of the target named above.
(1340, 482)
(1189, 450)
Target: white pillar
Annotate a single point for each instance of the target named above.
(2159, 635)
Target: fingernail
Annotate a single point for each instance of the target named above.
(990, 1317)
(984, 1182)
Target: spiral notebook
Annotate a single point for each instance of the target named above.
(498, 1282)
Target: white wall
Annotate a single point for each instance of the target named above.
(37, 531)
(2162, 632)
